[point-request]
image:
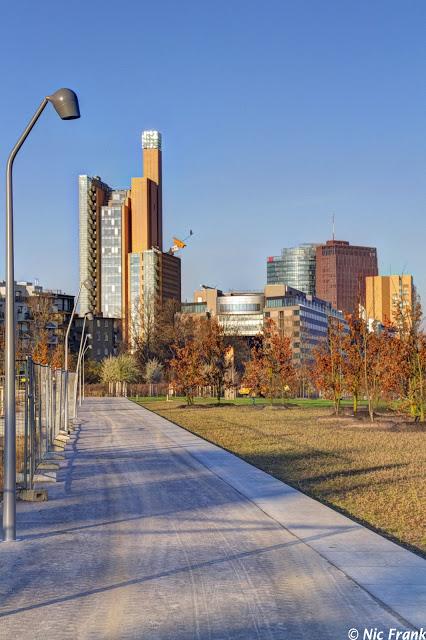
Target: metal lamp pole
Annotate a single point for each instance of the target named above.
(89, 316)
(65, 103)
(81, 364)
(89, 346)
(86, 284)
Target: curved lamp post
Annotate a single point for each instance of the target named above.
(66, 105)
(86, 283)
(87, 316)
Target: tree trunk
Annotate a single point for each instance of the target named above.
(421, 388)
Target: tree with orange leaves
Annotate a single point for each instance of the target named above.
(216, 356)
(255, 374)
(327, 371)
(56, 361)
(187, 369)
(270, 371)
(278, 358)
(409, 358)
(41, 350)
(352, 362)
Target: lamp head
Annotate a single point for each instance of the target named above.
(65, 102)
(89, 315)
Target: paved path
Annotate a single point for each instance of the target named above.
(154, 534)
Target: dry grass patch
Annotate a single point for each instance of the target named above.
(374, 473)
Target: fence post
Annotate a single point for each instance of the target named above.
(60, 400)
(26, 425)
(46, 407)
(31, 416)
(54, 404)
(39, 392)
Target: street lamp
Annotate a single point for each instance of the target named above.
(66, 105)
(87, 284)
(83, 339)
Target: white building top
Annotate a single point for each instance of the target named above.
(151, 140)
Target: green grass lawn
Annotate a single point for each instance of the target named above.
(301, 402)
(374, 473)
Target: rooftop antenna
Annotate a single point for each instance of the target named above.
(332, 223)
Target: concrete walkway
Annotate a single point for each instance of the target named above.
(152, 533)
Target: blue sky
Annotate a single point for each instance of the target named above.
(274, 115)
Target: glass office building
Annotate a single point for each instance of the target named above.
(241, 313)
(111, 258)
(303, 318)
(295, 267)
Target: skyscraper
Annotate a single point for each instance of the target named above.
(93, 194)
(121, 242)
(341, 270)
(295, 267)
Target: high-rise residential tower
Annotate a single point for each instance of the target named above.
(93, 194)
(295, 267)
(341, 270)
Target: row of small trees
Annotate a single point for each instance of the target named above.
(120, 371)
(354, 360)
(204, 357)
(207, 359)
(382, 365)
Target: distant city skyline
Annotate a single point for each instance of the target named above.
(273, 121)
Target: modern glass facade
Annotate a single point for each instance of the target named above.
(240, 313)
(239, 308)
(275, 270)
(112, 303)
(151, 275)
(295, 267)
(304, 319)
(135, 278)
(194, 307)
(242, 325)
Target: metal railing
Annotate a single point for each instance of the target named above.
(41, 393)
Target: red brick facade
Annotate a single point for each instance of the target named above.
(341, 271)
